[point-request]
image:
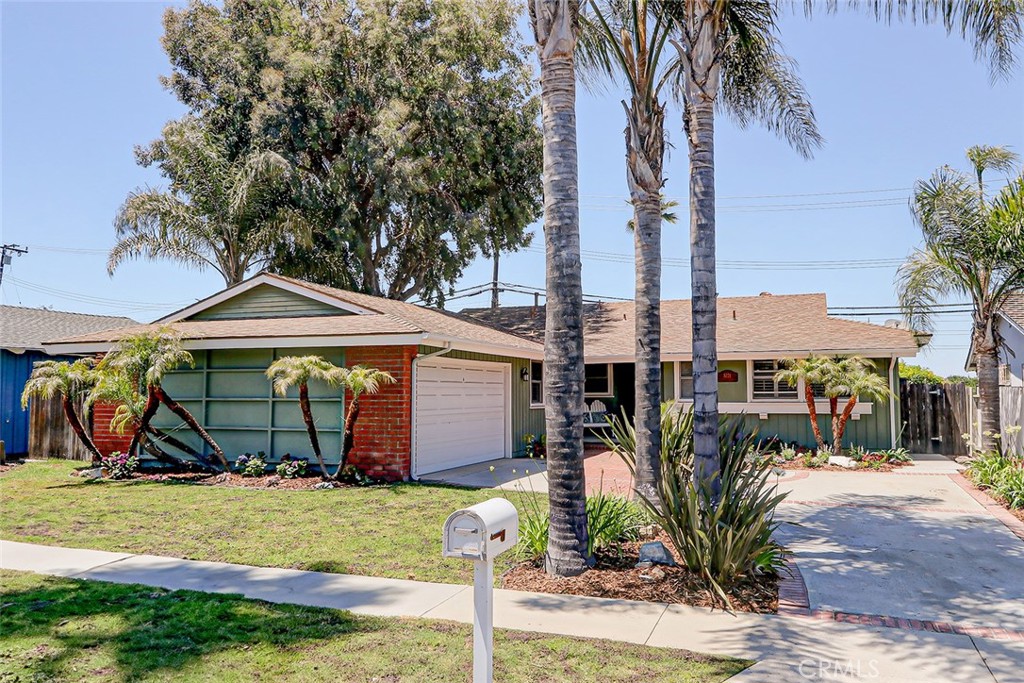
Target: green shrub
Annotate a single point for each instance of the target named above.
(986, 468)
(915, 374)
(726, 537)
(249, 465)
(291, 467)
(119, 465)
(1010, 485)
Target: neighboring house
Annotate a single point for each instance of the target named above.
(1011, 354)
(459, 397)
(469, 388)
(22, 333)
(755, 335)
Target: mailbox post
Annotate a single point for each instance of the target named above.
(480, 533)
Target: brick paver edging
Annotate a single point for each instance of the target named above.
(794, 602)
(991, 505)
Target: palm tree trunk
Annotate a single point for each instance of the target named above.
(152, 404)
(307, 417)
(700, 129)
(172, 441)
(554, 23)
(188, 419)
(987, 360)
(840, 428)
(812, 410)
(76, 426)
(349, 437)
(148, 443)
(647, 307)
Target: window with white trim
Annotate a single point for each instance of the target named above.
(685, 381)
(764, 385)
(597, 380)
(536, 383)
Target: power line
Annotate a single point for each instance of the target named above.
(7, 254)
(778, 196)
(120, 304)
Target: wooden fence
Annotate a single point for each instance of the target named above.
(50, 436)
(1011, 414)
(935, 417)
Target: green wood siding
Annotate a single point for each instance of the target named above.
(231, 396)
(265, 301)
(525, 420)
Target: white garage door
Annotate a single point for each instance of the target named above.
(461, 414)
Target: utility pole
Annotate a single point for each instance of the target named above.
(6, 256)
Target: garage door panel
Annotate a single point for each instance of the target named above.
(461, 414)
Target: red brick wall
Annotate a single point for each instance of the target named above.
(107, 441)
(383, 434)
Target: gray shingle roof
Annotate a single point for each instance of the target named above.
(27, 328)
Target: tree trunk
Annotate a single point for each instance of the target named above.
(307, 417)
(172, 441)
(987, 360)
(76, 426)
(554, 23)
(645, 148)
(149, 445)
(152, 404)
(494, 279)
(187, 418)
(700, 123)
(348, 439)
(840, 428)
(812, 410)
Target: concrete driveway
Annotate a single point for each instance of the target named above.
(909, 544)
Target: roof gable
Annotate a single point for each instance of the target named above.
(268, 301)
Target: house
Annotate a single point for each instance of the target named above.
(469, 386)
(22, 333)
(1010, 327)
(458, 398)
(755, 336)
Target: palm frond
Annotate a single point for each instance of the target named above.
(290, 371)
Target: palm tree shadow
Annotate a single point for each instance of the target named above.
(148, 630)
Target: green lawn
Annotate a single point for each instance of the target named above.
(392, 531)
(71, 630)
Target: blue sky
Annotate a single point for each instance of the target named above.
(80, 89)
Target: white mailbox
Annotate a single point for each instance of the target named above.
(480, 533)
(483, 531)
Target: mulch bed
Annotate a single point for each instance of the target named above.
(232, 480)
(8, 467)
(800, 467)
(616, 576)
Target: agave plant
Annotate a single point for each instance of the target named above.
(727, 535)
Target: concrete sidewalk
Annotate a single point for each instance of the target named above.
(786, 648)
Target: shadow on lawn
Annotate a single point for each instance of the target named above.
(149, 629)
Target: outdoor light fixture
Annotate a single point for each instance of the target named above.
(524, 374)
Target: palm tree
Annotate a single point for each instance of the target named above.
(854, 380)
(808, 371)
(731, 56)
(556, 29)
(359, 380)
(634, 41)
(221, 213)
(290, 371)
(974, 249)
(147, 358)
(70, 381)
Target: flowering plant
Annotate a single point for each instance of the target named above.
(119, 465)
(249, 465)
(291, 468)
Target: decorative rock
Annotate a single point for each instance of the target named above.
(654, 553)
(273, 481)
(963, 459)
(842, 461)
(654, 575)
(323, 485)
(93, 473)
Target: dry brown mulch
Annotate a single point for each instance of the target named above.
(616, 576)
(233, 480)
(800, 467)
(8, 467)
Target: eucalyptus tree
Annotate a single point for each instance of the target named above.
(70, 381)
(556, 29)
(292, 371)
(147, 358)
(731, 57)
(972, 248)
(218, 211)
(634, 40)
